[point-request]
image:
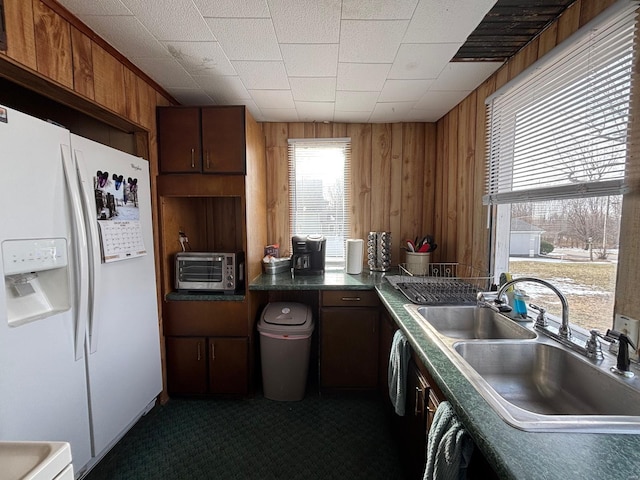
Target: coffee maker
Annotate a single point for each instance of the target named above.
(308, 254)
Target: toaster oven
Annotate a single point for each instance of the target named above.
(208, 271)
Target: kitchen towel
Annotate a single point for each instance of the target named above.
(398, 365)
(355, 250)
(449, 447)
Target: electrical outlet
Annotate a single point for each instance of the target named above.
(631, 328)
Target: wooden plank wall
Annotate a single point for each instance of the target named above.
(392, 178)
(460, 218)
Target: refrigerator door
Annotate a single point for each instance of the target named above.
(123, 357)
(42, 384)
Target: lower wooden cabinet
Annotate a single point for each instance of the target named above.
(349, 327)
(207, 365)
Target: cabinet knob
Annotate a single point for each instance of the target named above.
(193, 158)
(350, 299)
(207, 156)
(199, 352)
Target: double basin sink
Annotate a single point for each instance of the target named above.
(532, 382)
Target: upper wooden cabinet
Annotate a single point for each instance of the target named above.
(202, 139)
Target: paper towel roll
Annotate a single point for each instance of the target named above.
(354, 252)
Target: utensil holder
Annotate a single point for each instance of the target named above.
(379, 251)
(418, 263)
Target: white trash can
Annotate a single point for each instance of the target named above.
(285, 342)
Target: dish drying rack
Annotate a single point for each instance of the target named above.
(442, 284)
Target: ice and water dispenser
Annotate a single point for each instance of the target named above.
(36, 278)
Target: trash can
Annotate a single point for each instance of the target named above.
(285, 341)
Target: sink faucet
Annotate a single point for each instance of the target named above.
(565, 330)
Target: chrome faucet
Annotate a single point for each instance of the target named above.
(565, 330)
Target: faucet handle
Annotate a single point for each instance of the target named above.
(541, 320)
(594, 347)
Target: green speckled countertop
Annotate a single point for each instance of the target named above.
(514, 454)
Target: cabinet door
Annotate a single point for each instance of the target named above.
(223, 140)
(349, 347)
(186, 365)
(228, 365)
(179, 140)
(415, 434)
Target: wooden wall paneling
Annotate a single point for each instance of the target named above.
(428, 186)
(324, 130)
(146, 98)
(360, 179)
(82, 64)
(525, 57)
(442, 201)
(590, 9)
(256, 197)
(339, 130)
(569, 21)
(53, 45)
(452, 193)
(412, 181)
(438, 188)
(466, 159)
(480, 231)
(132, 95)
(277, 175)
(108, 77)
(309, 130)
(21, 40)
(548, 39)
(380, 178)
(395, 201)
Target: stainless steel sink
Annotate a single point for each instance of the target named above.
(532, 382)
(471, 322)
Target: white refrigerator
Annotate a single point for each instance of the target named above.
(79, 336)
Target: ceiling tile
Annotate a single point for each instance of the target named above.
(233, 8)
(280, 114)
(356, 101)
(191, 96)
(177, 20)
(246, 38)
(378, 9)
(422, 61)
(464, 75)
(313, 89)
(306, 21)
(166, 71)
(370, 41)
(199, 58)
(362, 77)
(390, 112)
(103, 7)
(272, 99)
(440, 99)
(404, 90)
(262, 75)
(253, 108)
(446, 21)
(351, 117)
(223, 89)
(315, 111)
(127, 35)
(310, 60)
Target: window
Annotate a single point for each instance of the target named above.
(319, 192)
(559, 145)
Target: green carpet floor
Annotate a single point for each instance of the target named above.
(321, 437)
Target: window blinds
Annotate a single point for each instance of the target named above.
(319, 194)
(561, 128)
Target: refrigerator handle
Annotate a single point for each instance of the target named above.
(93, 238)
(80, 242)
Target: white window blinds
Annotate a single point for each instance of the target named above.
(319, 191)
(561, 128)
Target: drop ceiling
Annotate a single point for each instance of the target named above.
(373, 61)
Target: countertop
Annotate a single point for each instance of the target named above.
(514, 454)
